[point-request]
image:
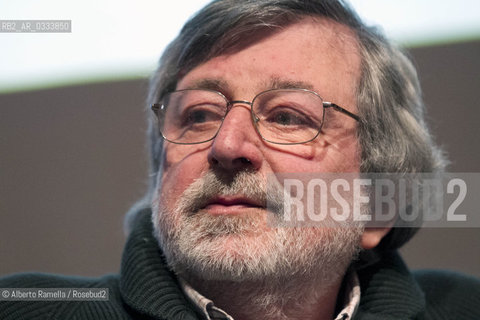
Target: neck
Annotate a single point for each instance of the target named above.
(280, 300)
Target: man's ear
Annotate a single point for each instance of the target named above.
(371, 237)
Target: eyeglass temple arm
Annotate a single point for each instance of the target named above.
(340, 109)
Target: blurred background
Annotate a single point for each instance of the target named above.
(73, 154)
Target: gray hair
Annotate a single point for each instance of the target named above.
(392, 133)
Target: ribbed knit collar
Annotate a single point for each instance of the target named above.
(389, 290)
(150, 288)
(146, 284)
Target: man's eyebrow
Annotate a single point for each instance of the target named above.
(277, 83)
(274, 83)
(210, 84)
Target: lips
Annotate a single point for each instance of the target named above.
(222, 205)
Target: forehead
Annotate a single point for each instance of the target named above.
(319, 53)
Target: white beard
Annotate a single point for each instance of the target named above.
(244, 247)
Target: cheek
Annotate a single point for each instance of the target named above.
(344, 158)
(176, 154)
(344, 153)
(180, 169)
(340, 155)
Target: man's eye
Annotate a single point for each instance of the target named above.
(288, 118)
(285, 119)
(197, 116)
(201, 115)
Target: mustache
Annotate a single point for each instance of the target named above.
(247, 184)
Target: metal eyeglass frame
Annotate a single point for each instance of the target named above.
(230, 103)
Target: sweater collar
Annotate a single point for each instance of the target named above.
(389, 290)
(146, 284)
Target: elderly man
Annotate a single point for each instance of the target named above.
(247, 91)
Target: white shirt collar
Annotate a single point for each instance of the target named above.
(207, 308)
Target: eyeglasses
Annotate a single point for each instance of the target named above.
(280, 116)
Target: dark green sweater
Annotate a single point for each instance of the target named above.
(146, 289)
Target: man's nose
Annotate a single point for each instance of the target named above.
(237, 144)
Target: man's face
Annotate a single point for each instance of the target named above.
(209, 210)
